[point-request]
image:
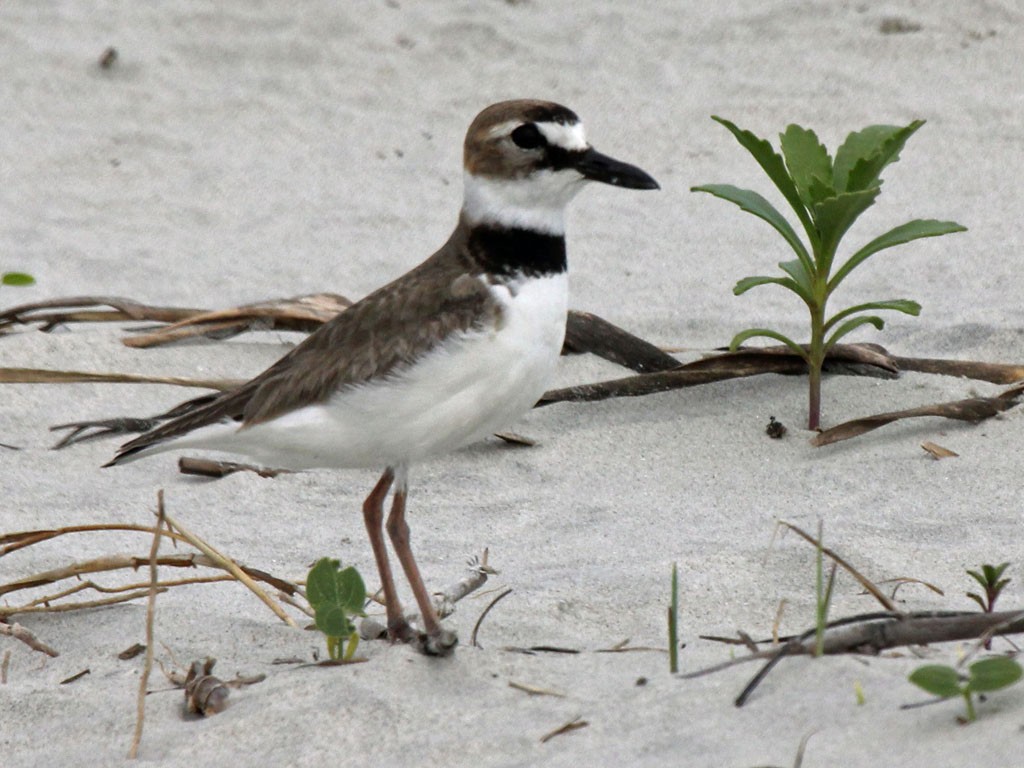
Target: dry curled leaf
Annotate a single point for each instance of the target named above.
(972, 409)
(937, 451)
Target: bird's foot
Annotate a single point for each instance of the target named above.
(440, 643)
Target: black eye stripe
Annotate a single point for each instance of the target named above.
(528, 136)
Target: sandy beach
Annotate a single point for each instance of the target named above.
(240, 151)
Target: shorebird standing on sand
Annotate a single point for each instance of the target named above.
(448, 353)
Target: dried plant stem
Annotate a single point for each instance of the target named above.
(233, 568)
(476, 627)
(133, 751)
(18, 632)
(162, 586)
(19, 539)
(865, 582)
(119, 562)
(79, 606)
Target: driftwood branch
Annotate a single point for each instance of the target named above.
(872, 633)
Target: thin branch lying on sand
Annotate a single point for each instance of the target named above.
(868, 633)
(57, 602)
(233, 568)
(18, 632)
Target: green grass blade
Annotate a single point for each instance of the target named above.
(904, 233)
(905, 306)
(937, 679)
(767, 333)
(773, 165)
(673, 623)
(862, 157)
(809, 164)
(835, 216)
(755, 204)
(851, 325)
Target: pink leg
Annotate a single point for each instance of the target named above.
(438, 641)
(373, 517)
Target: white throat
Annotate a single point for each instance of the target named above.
(536, 202)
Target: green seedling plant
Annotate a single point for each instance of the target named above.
(336, 594)
(991, 581)
(823, 595)
(827, 195)
(982, 676)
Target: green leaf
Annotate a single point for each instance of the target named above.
(993, 674)
(747, 283)
(976, 575)
(937, 679)
(912, 230)
(978, 599)
(797, 270)
(331, 588)
(16, 278)
(753, 203)
(772, 164)
(809, 164)
(767, 333)
(905, 306)
(834, 217)
(862, 157)
(333, 621)
(851, 325)
(993, 572)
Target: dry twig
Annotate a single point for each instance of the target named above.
(18, 632)
(140, 703)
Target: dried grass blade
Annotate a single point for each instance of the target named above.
(863, 580)
(233, 568)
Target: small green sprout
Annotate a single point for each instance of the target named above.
(983, 676)
(823, 594)
(990, 580)
(336, 595)
(673, 624)
(827, 196)
(16, 278)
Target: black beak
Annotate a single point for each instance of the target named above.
(597, 167)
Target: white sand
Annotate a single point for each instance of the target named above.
(239, 151)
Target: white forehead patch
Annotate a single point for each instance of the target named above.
(571, 136)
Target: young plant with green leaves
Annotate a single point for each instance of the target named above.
(827, 195)
(336, 594)
(990, 577)
(983, 676)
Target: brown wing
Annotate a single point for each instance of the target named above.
(382, 333)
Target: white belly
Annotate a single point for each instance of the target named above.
(467, 388)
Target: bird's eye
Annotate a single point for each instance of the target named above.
(528, 136)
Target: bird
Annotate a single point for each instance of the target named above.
(444, 355)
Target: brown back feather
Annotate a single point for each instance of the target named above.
(376, 336)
